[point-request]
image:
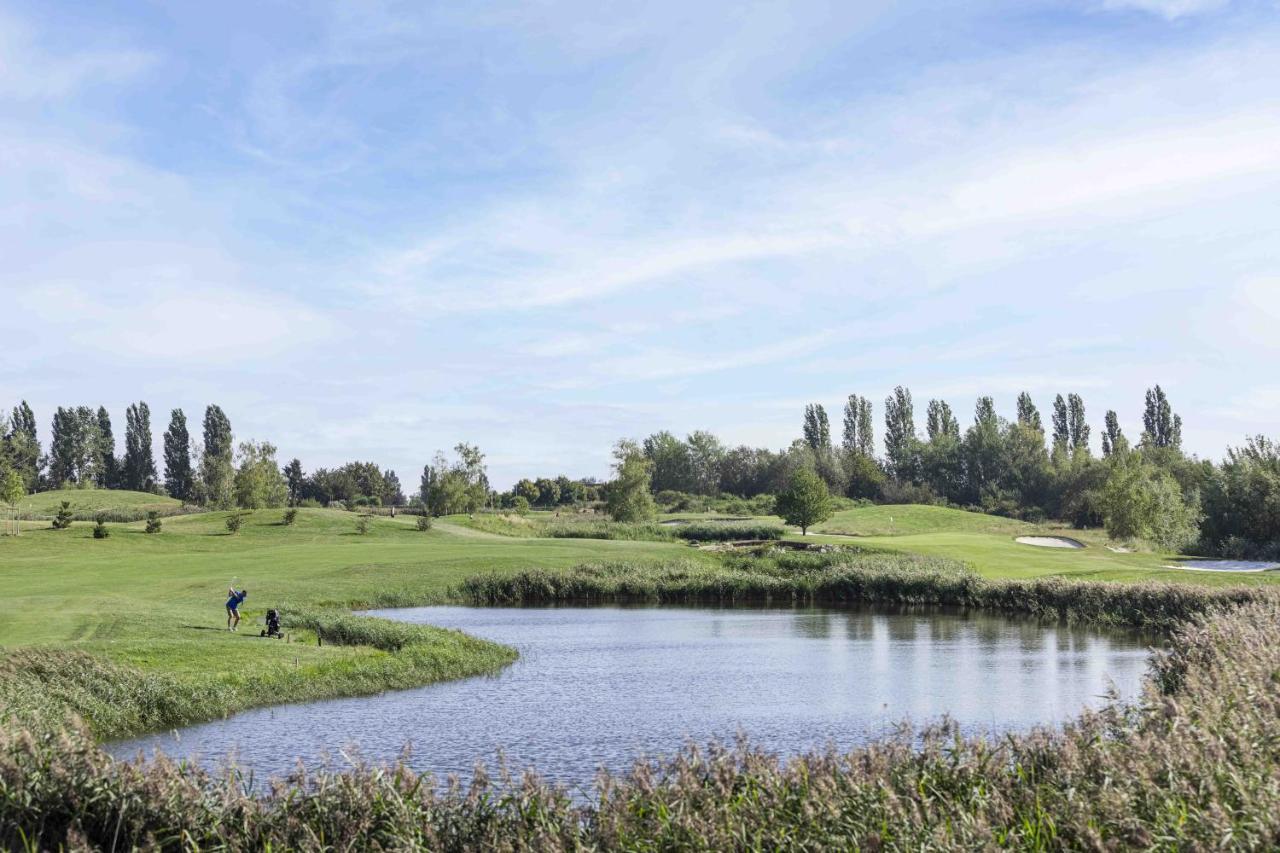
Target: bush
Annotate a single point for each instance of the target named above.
(233, 523)
(362, 525)
(309, 503)
(153, 522)
(290, 516)
(424, 522)
(520, 504)
(63, 520)
(711, 531)
(100, 530)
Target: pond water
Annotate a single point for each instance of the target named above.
(600, 686)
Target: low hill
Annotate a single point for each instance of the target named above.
(97, 500)
(913, 519)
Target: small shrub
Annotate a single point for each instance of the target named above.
(309, 503)
(424, 522)
(233, 522)
(100, 529)
(290, 516)
(63, 519)
(520, 504)
(153, 522)
(362, 525)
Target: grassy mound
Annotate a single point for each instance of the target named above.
(97, 500)
(915, 519)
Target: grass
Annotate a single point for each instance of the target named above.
(96, 500)
(153, 604)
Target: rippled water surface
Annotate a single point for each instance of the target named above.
(602, 685)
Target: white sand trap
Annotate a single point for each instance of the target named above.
(1050, 541)
(1245, 566)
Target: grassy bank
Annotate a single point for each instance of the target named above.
(1193, 767)
(547, 526)
(137, 609)
(872, 578)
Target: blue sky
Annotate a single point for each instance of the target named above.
(373, 230)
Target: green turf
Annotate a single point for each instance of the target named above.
(906, 520)
(157, 601)
(88, 500)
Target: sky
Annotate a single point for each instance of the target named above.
(373, 230)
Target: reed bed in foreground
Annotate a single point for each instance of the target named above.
(1196, 765)
(848, 577)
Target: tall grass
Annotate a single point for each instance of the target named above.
(1195, 765)
(733, 531)
(855, 577)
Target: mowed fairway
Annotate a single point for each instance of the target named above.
(157, 601)
(987, 544)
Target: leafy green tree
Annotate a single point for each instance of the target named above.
(234, 522)
(294, 480)
(520, 504)
(1242, 501)
(863, 476)
(179, 478)
(1028, 414)
(290, 516)
(258, 481)
(362, 525)
(706, 454)
(23, 445)
(941, 421)
(12, 487)
(460, 486)
(1077, 426)
(1143, 501)
(528, 490)
(628, 497)
(1061, 425)
(108, 473)
(986, 459)
(817, 429)
(217, 472)
(548, 492)
(139, 460)
(1113, 440)
(806, 501)
(392, 493)
(900, 442)
(1161, 427)
(858, 435)
(671, 463)
(74, 450)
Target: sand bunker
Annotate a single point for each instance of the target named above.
(1225, 566)
(1049, 541)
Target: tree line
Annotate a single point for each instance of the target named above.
(1020, 467)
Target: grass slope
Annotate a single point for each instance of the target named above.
(155, 602)
(86, 500)
(910, 519)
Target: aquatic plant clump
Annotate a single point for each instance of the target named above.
(1193, 766)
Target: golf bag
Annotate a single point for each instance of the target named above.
(273, 625)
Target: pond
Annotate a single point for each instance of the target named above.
(600, 686)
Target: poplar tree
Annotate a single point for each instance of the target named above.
(1077, 427)
(179, 479)
(1061, 427)
(1028, 414)
(108, 473)
(1161, 427)
(294, 479)
(216, 470)
(817, 429)
(139, 459)
(941, 421)
(24, 446)
(858, 434)
(1113, 440)
(900, 433)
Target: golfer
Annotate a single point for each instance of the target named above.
(233, 606)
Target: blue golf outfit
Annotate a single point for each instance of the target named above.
(233, 603)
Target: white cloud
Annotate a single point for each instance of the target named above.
(1170, 9)
(29, 72)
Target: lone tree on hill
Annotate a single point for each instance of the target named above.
(806, 501)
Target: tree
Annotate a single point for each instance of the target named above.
(294, 480)
(179, 479)
(108, 474)
(806, 501)
(628, 496)
(217, 473)
(460, 486)
(258, 481)
(23, 446)
(12, 489)
(671, 463)
(74, 450)
(528, 490)
(817, 429)
(706, 454)
(392, 494)
(900, 442)
(1113, 440)
(139, 460)
(1028, 414)
(1143, 501)
(1160, 426)
(1077, 427)
(1061, 426)
(548, 492)
(941, 421)
(858, 436)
